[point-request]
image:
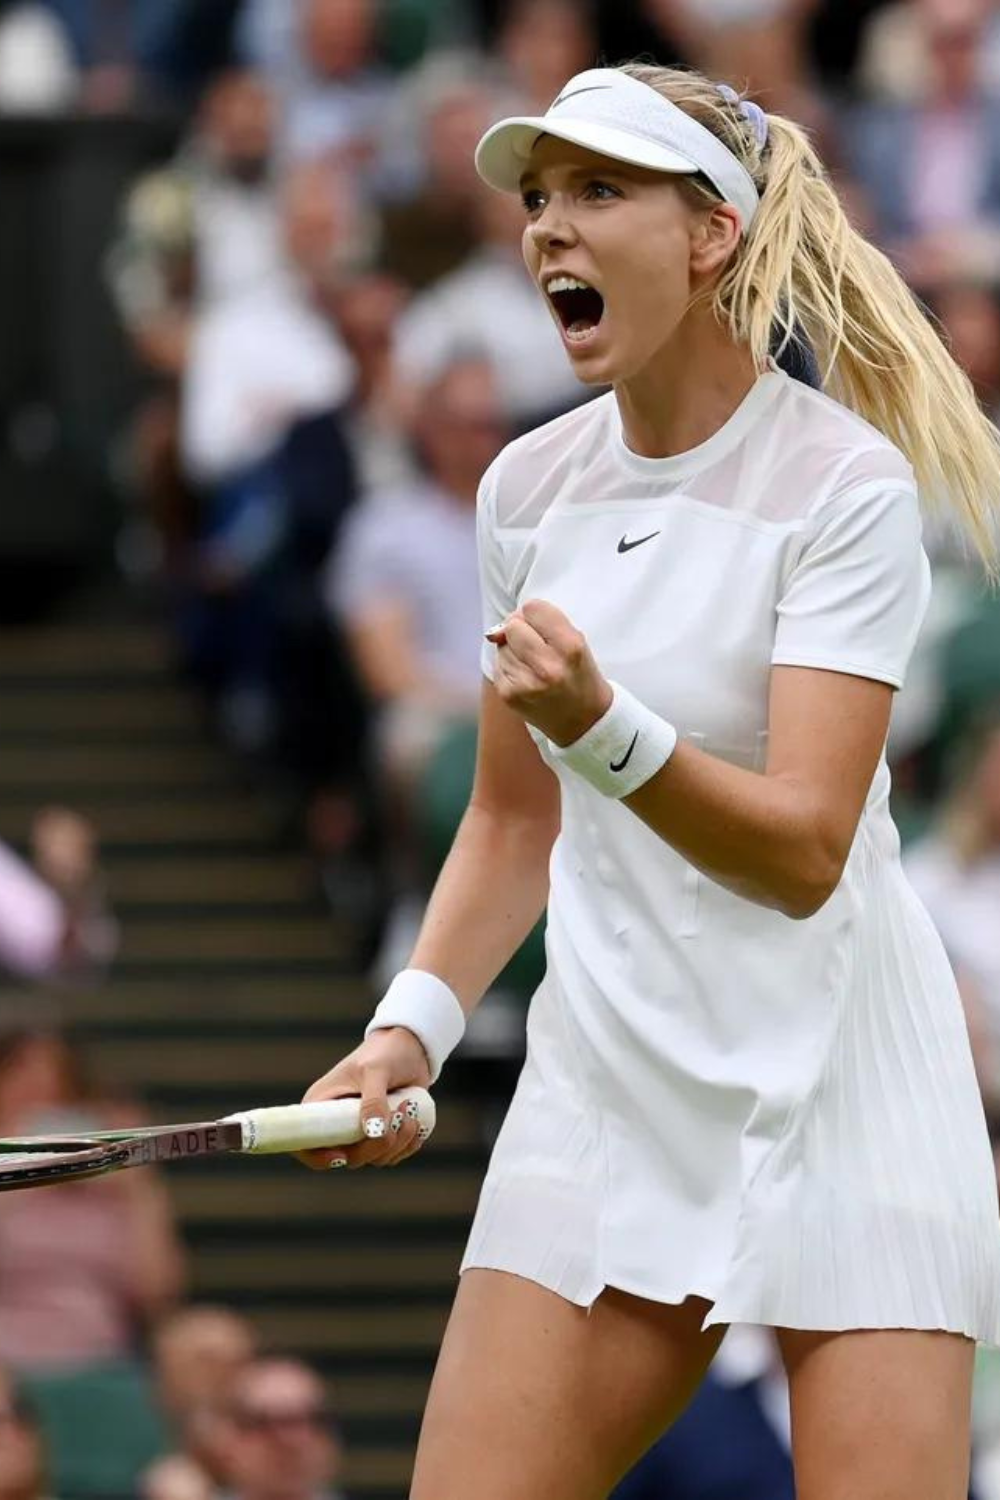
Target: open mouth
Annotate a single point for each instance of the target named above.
(580, 307)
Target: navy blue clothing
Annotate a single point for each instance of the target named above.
(722, 1448)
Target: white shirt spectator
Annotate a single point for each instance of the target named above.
(258, 363)
(238, 239)
(489, 307)
(416, 546)
(32, 920)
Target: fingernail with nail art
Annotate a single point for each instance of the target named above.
(338, 1161)
(396, 1122)
(412, 1111)
(375, 1128)
(423, 1133)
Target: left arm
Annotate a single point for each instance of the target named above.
(781, 837)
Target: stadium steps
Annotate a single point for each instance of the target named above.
(236, 986)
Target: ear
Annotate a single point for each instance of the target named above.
(714, 238)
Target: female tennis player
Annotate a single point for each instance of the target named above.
(748, 1094)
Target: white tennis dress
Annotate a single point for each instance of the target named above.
(780, 1116)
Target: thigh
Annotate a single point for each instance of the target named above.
(538, 1398)
(879, 1414)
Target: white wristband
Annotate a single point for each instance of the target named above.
(425, 1005)
(619, 753)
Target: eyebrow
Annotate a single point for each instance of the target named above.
(612, 169)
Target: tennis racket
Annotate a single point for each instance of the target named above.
(34, 1160)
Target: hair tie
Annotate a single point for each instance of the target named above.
(752, 113)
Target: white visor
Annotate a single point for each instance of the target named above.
(609, 112)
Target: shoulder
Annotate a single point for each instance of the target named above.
(524, 478)
(819, 455)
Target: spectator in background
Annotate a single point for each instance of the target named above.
(956, 872)
(22, 1451)
(201, 229)
(366, 309)
(541, 43)
(429, 225)
(198, 1354)
(931, 168)
(54, 920)
(332, 87)
(895, 63)
(82, 1273)
(193, 234)
(281, 1442)
(262, 438)
(404, 585)
(757, 45)
(198, 1351)
(490, 305)
(266, 354)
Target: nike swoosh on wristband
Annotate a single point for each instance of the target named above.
(619, 765)
(626, 546)
(592, 88)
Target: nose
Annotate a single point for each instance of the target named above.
(552, 230)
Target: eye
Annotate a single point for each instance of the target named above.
(601, 191)
(533, 201)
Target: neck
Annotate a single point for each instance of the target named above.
(687, 392)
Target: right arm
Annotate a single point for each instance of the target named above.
(490, 893)
(495, 882)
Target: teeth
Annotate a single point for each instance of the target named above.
(567, 284)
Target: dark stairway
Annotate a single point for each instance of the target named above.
(235, 986)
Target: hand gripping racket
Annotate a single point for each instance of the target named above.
(32, 1161)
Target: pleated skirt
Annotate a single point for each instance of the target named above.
(870, 1203)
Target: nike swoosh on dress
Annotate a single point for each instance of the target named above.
(626, 546)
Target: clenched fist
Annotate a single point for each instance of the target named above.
(546, 672)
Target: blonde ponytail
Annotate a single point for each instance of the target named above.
(803, 266)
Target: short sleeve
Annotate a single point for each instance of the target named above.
(856, 595)
(494, 586)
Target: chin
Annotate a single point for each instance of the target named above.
(593, 372)
(597, 367)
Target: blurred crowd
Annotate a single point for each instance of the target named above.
(333, 335)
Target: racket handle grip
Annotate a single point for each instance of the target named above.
(328, 1122)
